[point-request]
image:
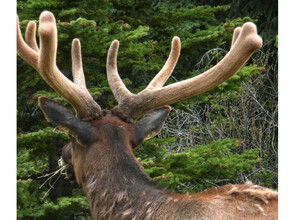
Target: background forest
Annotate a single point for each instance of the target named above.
(226, 135)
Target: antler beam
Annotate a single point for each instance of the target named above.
(131, 106)
(44, 61)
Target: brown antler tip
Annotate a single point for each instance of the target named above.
(30, 29)
(31, 24)
(76, 53)
(176, 38)
(47, 16)
(115, 44)
(249, 31)
(168, 108)
(75, 40)
(176, 41)
(237, 31)
(47, 25)
(249, 27)
(76, 43)
(113, 51)
(236, 34)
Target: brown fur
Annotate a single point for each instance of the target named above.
(117, 187)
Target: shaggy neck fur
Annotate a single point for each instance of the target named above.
(117, 188)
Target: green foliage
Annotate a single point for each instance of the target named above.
(265, 11)
(27, 165)
(267, 176)
(27, 197)
(41, 142)
(65, 206)
(31, 206)
(197, 168)
(37, 156)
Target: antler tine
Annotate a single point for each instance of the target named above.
(245, 42)
(235, 36)
(160, 79)
(77, 69)
(117, 86)
(44, 61)
(24, 51)
(30, 36)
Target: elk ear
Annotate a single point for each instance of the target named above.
(150, 124)
(61, 116)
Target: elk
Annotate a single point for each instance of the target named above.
(100, 152)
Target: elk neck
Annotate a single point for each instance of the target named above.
(113, 177)
(114, 183)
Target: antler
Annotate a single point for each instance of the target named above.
(44, 61)
(245, 41)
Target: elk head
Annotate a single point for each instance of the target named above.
(90, 139)
(102, 141)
